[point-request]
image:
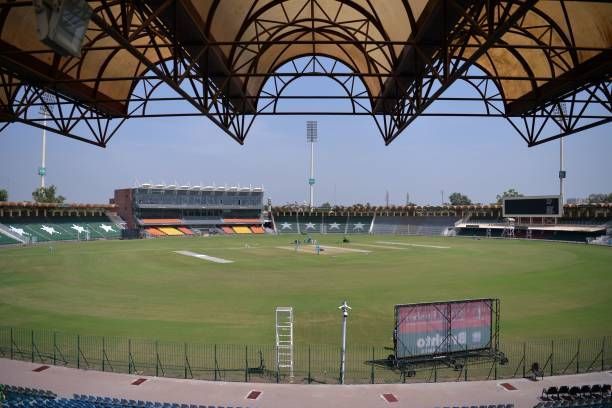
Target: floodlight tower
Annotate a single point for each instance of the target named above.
(45, 110)
(311, 137)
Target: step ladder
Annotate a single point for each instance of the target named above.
(284, 339)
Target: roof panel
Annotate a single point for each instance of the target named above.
(393, 44)
(42, 64)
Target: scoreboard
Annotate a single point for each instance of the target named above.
(443, 328)
(534, 206)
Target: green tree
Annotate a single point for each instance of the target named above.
(510, 193)
(459, 199)
(3, 195)
(47, 195)
(325, 205)
(600, 198)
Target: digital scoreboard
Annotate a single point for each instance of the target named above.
(534, 206)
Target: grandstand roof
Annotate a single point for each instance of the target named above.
(201, 188)
(523, 58)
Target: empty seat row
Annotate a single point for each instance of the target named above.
(256, 229)
(21, 397)
(483, 406)
(605, 402)
(173, 232)
(576, 392)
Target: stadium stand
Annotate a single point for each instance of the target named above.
(242, 230)
(6, 240)
(154, 232)
(170, 231)
(257, 230)
(576, 396)
(37, 229)
(29, 397)
(323, 224)
(428, 225)
(583, 222)
(185, 231)
(200, 208)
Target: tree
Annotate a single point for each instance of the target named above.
(325, 205)
(459, 199)
(510, 193)
(600, 198)
(3, 195)
(47, 195)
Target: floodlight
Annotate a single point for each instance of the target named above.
(62, 24)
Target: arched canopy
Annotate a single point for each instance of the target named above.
(104, 75)
(217, 54)
(383, 39)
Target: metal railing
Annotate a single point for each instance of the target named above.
(312, 363)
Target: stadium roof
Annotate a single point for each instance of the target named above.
(173, 187)
(543, 65)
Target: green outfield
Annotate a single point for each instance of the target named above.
(145, 289)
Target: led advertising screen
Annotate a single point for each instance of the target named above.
(535, 206)
(440, 328)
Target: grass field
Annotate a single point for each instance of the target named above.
(144, 289)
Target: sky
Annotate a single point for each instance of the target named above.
(479, 157)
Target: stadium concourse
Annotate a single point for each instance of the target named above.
(31, 385)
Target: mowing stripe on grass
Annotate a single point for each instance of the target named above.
(378, 246)
(363, 251)
(205, 257)
(325, 249)
(413, 245)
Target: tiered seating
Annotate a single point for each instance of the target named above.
(154, 232)
(323, 224)
(256, 229)
(185, 230)
(4, 240)
(413, 225)
(287, 224)
(241, 230)
(580, 395)
(484, 406)
(586, 403)
(28, 397)
(173, 232)
(355, 225)
(227, 230)
(62, 228)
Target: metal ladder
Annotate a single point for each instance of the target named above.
(284, 338)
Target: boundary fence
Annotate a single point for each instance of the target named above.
(312, 363)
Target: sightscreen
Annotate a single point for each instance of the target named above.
(440, 328)
(541, 206)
